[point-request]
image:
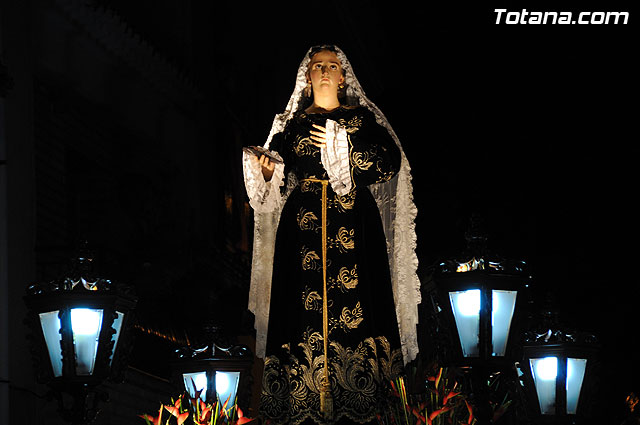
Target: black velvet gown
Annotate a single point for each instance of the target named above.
(364, 351)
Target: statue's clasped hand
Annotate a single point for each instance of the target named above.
(319, 137)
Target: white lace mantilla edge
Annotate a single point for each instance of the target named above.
(335, 158)
(265, 225)
(263, 196)
(404, 262)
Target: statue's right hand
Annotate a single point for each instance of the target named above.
(267, 167)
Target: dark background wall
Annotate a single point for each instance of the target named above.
(122, 122)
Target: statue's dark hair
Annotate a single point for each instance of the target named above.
(321, 47)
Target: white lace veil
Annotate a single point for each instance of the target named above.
(397, 210)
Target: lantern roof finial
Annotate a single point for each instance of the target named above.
(477, 255)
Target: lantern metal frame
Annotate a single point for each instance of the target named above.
(477, 268)
(486, 283)
(212, 358)
(78, 395)
(562, 345)
(482, 367)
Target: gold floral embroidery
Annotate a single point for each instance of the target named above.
(309, 186)
(307, 220)
(344, 239)
(304, 146)
(384, 177)
(352, 125)
(310, 260)
(275, 392)
(312, 300)
(364, 385)
(361, 160)
(290, 391)
(312, 340)
(346, 279)
(344, 203)
(350, 319)
(392, 362)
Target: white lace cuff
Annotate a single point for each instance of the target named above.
(263, 196)
(335, 158)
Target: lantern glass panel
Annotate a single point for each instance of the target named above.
(466, 312)
(227, 386)
(117, 326)
(196, 381)
(50, 323)
(575, 375)
(86, 324)
(545, 372)
(504, 304)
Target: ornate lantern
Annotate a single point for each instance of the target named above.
(79, 336)
(478, 299)
(215, 372)
(557, 367)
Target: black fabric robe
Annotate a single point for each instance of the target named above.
(364, 353)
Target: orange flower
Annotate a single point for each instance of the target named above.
(202, 413)
(205, 413)
(242, 419)
(449, 397)
(224, 406)
(153, 420)
(175, 411)
(470, 412)
(436, 379)
(395, 391)
(437, 413)
(417, 414)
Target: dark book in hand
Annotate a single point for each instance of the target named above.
(259, 151)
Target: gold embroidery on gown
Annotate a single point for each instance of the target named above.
(346, 279)
(310, 259)
(291, 391)
(343, 203)
(361, 360)
(307, 220)
(305, 146)
(361, 160)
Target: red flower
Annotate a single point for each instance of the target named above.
(175, 411)
(153, 420)
(224, 406)
(449, 397)
(242, 419)
(437, 413)
(417, 414)
(436, 379)
(470, 412)
(202, 414)
(205, 412)
(395, 392)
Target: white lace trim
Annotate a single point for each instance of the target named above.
(263, 196)
(397, 211)
(264, 241)
(335, 158)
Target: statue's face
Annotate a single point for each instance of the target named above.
(325, 72)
